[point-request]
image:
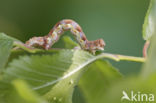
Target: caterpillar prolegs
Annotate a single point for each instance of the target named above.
(64, 25)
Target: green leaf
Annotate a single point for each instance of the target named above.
(26, 93)
(97, 80)
(52, 76)
(18, 92)
(150, 67)
(69, 43)
(149, 25)
(78, 96)
(4, 89)
(6, 44)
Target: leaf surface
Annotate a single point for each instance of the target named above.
(149, 25)
(18, 92)
(53, 76)
(6, 44)
(97, 80)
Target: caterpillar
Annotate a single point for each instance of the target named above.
(53, 36)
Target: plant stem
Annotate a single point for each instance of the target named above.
(115, 57)
(20, 45)
(118, 57)
(145, 49)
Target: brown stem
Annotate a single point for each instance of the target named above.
(145, 49)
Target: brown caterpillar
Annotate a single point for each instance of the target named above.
(53, 36)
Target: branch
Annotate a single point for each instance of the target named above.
(145, 49)
(115, 57)
(20, 45)
(118, 57)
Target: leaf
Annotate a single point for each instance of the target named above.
(26, 93)
(150, 21)
(97, 80)
(52, 76)
(69, 43)
(6, 44)
(18, 92)
(4, 89)
(78, 96)
(38, 70)
(150, 66)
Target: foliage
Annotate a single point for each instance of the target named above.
(149, 23)
(72, 76)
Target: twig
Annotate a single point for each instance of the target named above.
(115, 57)
(146, 45)
(20, 45)
(118, 57)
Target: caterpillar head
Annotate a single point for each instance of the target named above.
(95, 45)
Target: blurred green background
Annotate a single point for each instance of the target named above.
(118, 22)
